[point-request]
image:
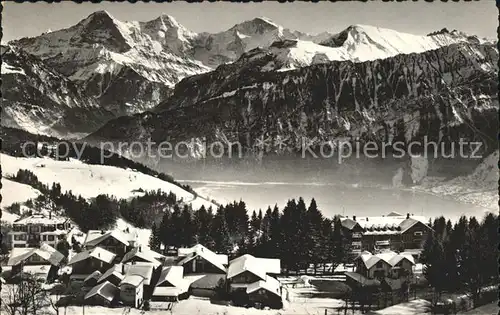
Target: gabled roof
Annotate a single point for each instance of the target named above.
(40, 219)
(389, 257)
(144, 270)
(183, 252)
(115, 270)
(46, 252)
(133, 280)
(205, 253)
(144, 254)
(257, 266)
(390, 224)
(394, 214)
(94, 239)
(97, 253)
(94, 275)
(173, 275)
(348, 223)
(362, 280)
(107, 290)
(270, 284)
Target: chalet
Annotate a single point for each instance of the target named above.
(85, 263)
(171, 285)
(247, 269)
(248, 281)
(104, 294)
(266, 292)
(132, 290)
(38, 228)
(199, 259)
(116, 241)
(384, 265)
(391, 232)
(138, 254)
(45, 255)
(113, 275)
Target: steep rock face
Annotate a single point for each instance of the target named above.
(106, 57)
(37, 99)
(444, 94)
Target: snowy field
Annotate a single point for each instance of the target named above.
(15, 192)
(91, 180)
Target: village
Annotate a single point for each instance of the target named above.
(112, 269)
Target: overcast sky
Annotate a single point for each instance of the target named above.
(478, 17)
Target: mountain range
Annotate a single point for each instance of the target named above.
(106, 79)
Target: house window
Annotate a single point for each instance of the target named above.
(418, 233)
(50, 237)
(16, 237)
(44, 237)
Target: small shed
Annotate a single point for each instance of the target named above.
(104, 294)
(132, 290)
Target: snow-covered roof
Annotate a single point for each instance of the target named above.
(257, 266)
(145, 270)
(182, 252)
(205, 253)
(97, 253)
(40, 219)
(145, 254)
(133, 280)
(95, 238)
(106, 289)
(270, 284)
(115, 270)
(173, 275)
(46, 252)
(388, 257)
(169, 291)
(94, 275)
(384, 225)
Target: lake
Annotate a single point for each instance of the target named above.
(346, 199)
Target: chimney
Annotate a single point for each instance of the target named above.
(50, 214)
(354, 217)
(407, 215)
(366, 219)
(140, 248)
(123, 269)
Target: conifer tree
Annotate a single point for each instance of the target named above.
(314, 234)
(220, 233)
(154, 238)
(434, 262)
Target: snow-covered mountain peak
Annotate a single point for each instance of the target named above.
(257, 26)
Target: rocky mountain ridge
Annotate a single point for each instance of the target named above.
(445, 94)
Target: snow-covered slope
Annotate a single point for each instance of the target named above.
(91, 180)
(13, 192)
(363, 42)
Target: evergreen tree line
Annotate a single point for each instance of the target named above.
(297, 234)
(463, 255)
(100, 212)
